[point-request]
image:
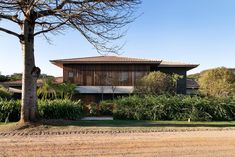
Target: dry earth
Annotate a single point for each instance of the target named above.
(202, 143)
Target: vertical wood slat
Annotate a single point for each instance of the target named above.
(97, 73)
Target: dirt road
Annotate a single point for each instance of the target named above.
(166, 144)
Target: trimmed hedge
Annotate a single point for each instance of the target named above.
(48, 109)
(174, 108)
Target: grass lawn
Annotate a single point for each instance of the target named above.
(115, 125)
(133, 123)
(3, 123)
(140, 123)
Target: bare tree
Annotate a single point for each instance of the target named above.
(99, 21)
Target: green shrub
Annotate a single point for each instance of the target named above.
(174, 108)
(9, 110)
(157, 83)
(93, 109)
(106, 108)
(60, 109)
(48, 109)
(4, 93)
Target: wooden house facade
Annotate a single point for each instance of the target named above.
(106, 76)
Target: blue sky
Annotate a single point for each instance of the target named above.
(192, 31)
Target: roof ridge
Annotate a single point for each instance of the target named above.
(120, 56)
(76, 58)
(170, 61)
(137, 58)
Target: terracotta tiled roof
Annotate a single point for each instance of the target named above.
(120, 60)
(176, 64)
(18, 83)
(105, 60)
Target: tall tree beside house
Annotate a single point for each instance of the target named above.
(217, 82)
(99, 21)
(157, 83)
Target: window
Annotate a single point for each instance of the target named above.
(79, 78)
(139, 75)
(70, 74)
(89, 78)
(123, 78)
(108, 78)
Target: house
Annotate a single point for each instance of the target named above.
(192, 86)
(102, 77)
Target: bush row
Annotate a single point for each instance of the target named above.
(48, 109)
(132, 108)
(174, 108)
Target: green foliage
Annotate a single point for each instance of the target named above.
(15, 76)
(4, 93)
(195, 76)
(93, 109)
(217, 82)
(60, 109)
(50, 90)
(3, 78)
(66, 90)
(9, 110)
(174, 108)
(157, 83)
(48, 109)
(106, 108)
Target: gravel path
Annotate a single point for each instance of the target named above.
(167, 144)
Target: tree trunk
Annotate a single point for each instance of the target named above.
(29, 111)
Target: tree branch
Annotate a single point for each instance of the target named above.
(11, 18)
(50, 29)
(9, 32)
(51, 11)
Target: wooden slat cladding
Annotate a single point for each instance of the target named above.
(104, 75)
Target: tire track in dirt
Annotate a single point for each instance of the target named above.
(167, 144)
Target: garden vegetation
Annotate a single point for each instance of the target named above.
(48, 109)
(136, 107)
(177, 107)
(217, 82)
(157, 83)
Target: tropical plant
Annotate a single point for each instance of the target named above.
(66, 90)
(48, 89)
(51, 90)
